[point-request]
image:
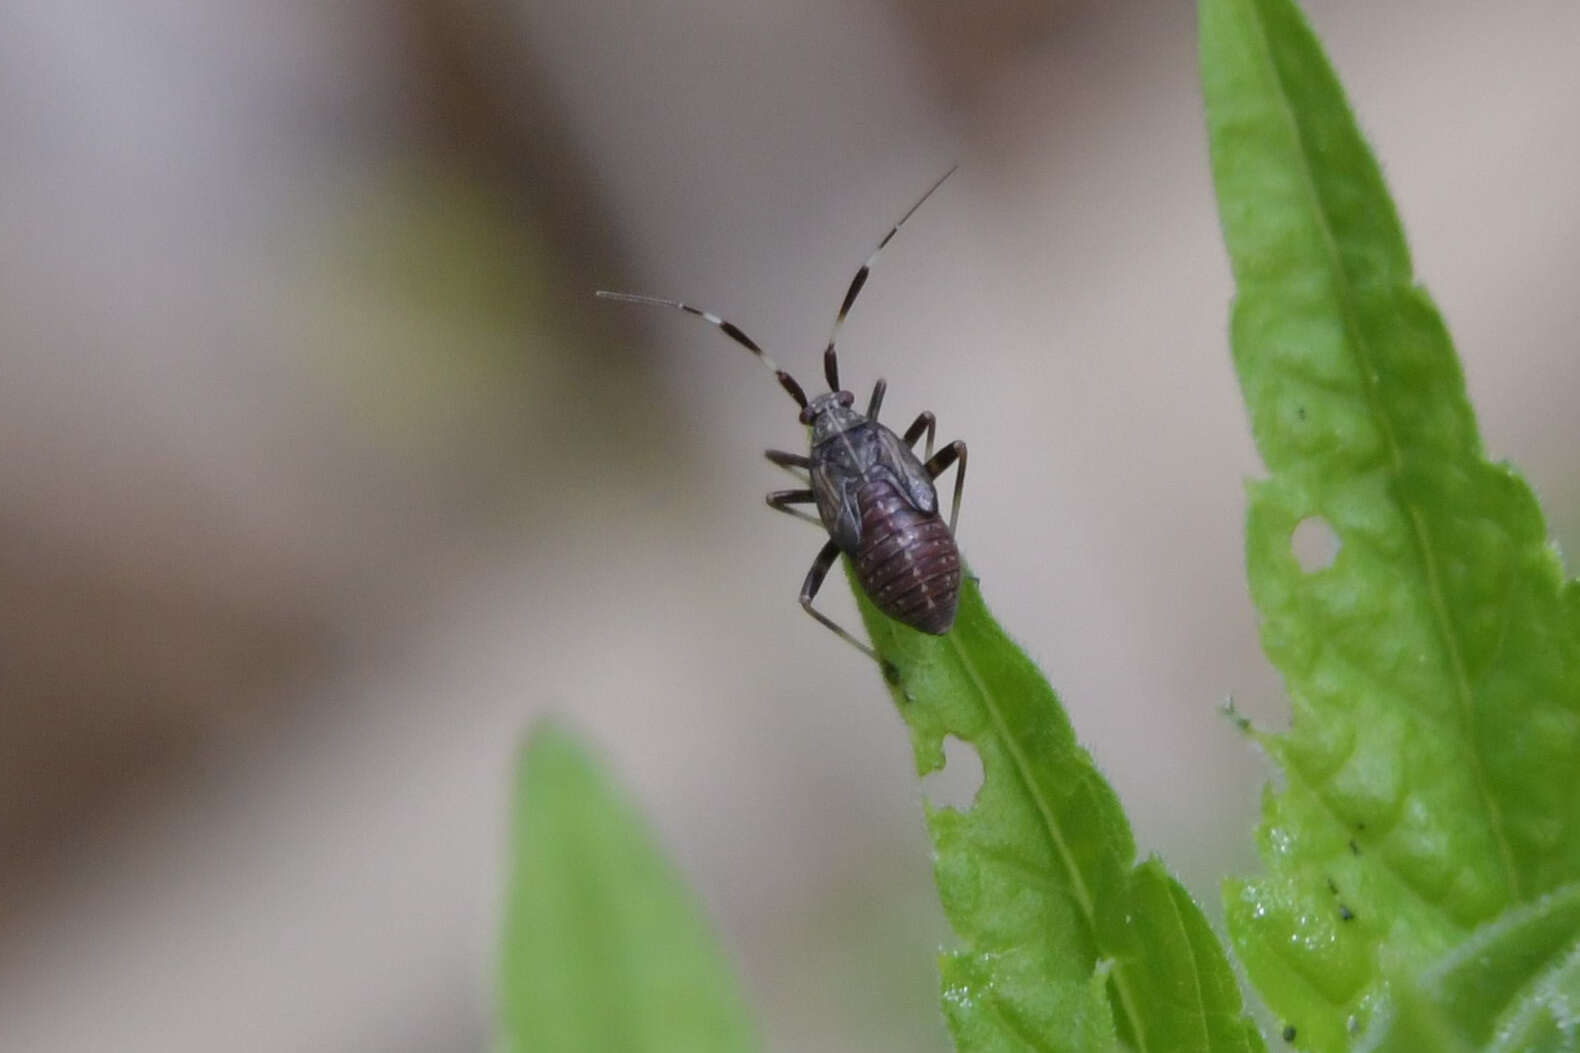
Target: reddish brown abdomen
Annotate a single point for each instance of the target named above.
(906, 561)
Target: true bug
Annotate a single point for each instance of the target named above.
(874, 496)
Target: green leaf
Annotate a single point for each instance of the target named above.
(1431, 668)
(1066, 944)
(604, 947)
(1511, 987)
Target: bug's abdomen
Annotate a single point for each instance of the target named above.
(906, 561)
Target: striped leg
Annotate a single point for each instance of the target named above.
(781, 500)
(925, 421)
(876, 402)
(939, 463)
(814, 581)
(796, 465)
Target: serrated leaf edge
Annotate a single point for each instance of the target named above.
(1424, 548)
(1022, 767)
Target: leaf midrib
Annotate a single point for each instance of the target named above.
(1204, 1029)
(1082, 894)
(1461, 679)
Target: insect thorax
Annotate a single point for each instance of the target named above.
(831, 415)
(862, 452)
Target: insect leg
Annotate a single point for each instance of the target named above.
(786, 459)
(877, 398)
(793, 463)
(939, 464)
(814, 581)
(781, 500)
(925, 421)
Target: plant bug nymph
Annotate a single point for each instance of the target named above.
(874, 495)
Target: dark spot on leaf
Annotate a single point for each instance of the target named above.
(1300, 413)
(1355, 849)
(1289, 1032)
(1333, 888)
(1345, 914)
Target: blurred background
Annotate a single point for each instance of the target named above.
(322, 474)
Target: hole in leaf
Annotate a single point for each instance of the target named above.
(1315, 544)
(955, 785)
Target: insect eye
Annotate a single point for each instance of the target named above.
(806, 415)
(846, 398)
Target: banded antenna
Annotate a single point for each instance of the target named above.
(728, 328)
(830, 360)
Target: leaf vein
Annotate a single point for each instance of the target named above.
(1030, 873)
(1015, 1025)
(1022, 766)
(1386, 866)
(1421, 536)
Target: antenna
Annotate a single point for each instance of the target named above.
(729, 329)
(830, 360)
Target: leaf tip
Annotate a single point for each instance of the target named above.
(552, 755)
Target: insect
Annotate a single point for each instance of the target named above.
(874, 495)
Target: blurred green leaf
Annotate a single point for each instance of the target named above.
(604, 950)
(1432, 667)
(1065, 944)
(1512, 986)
